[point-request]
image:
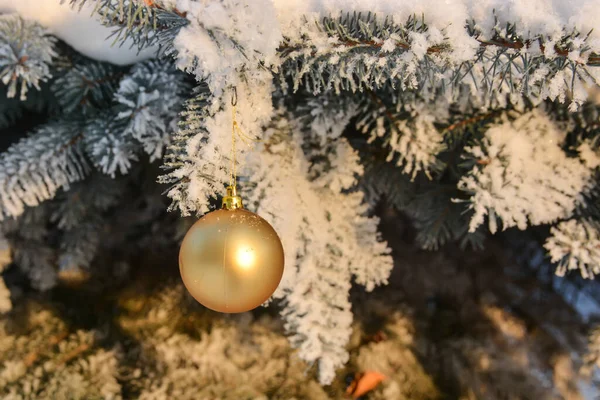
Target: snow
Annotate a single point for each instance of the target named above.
(546, 17)
(588, 155)
(25, 54)
(84, 33)
(448, 15)
(413, 142)
(151, 95)
(45, 372)
(575, 245)
(327, 238)
(36, 167)
(522, 176)
(225, 37)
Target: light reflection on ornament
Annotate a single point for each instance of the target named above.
(245, 257)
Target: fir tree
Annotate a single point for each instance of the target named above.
(469, 119)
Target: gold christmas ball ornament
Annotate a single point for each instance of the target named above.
(231, 260)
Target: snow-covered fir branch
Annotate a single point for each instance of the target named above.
(134, 119)
(151, 96)
(197, 167)
(575, 245)
(87, 87)
(408, 130)
(145, 23)
(327, 237)
(493, 59)
(366, 51)
(26, 50)
(126, 117)
(521, 175)
(33, 169)
(141, 119)
(78, 215)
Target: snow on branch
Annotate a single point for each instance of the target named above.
(107, 145)
(151, 96)
(575, 245)
(200, 154)
(147, 23)
(521, 175)
(229, 46)
(459, 52)
(26, 50)
(408, 130)
(493, 52)
(354, 51)
(197, 164)
(227, 42)
(87, 87)
(136, 114)
(327, 237)
(33, 169)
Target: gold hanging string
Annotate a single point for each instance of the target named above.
(244, 137)
(236, 131)
(233, 169)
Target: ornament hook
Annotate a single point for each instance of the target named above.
(232, 201)
(232, 171)
(234, 96)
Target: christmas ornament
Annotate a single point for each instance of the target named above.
(231, 260)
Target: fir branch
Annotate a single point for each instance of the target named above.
(32, 253)
(146, 23)
(108, 145)
(149, 100)
(475, 119)
(408, 130)
(368, 52)
(78, 215)
(575, 245)
(87, 87)
(346, 44)
(180, 164)
(26, 50)
(437, 219)
(348, 245)
(523, 157)
(36, 167)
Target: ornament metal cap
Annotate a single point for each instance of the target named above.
(231, 201)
